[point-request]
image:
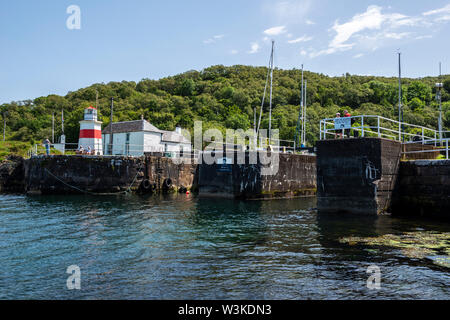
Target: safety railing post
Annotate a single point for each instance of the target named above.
(399, 131)
(378, 127)
(423, 136)
(362, 126)
(320, 130)
(446, 149)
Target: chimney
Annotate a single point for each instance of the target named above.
(178, 129)
(142, 117)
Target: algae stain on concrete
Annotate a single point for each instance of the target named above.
(431, 245)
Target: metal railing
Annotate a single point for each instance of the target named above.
(63, 149)
(118, 149)
(381, 127)
(440, 148)
(276, 145)
(377, 126)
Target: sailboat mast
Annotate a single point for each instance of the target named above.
(96, 102)
(270, 98)
(62, 121)
(304, 115)
(264, 97)
(254, 128)
(53, 127)
(400, 113)
(439, 88)
(299, 127)
(302, 110)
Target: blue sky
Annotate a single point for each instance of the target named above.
(135, 39)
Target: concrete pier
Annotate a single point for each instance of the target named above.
(356, 175)
(423, 189)
(295, 176)
(106, 175)
(12, 175)
(82, 174)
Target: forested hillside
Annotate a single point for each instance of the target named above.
(224, 97)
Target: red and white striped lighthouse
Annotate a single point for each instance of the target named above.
(91, 132)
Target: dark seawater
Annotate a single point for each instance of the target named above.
(182, 247)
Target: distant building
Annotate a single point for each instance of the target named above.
(136, 137)
(91, 132)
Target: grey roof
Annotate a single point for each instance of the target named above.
(144, 125)
(172, 136)
(131, 126)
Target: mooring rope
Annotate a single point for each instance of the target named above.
(97, 193)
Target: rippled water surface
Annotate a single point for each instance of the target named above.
(182, 247)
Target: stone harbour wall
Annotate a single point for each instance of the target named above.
(423, 189)
(356, 175)
(83, 174)
(12, 175)
(296, 176)
(106, 175)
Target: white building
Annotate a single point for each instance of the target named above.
(136, 137)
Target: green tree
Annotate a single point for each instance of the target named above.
(418, 90)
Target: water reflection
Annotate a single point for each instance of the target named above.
(181, 247)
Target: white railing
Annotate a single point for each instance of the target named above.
(63, 148)
(276, 145)
(441, 146)
(136, 150)
(381, 127)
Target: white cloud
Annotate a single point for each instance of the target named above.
(371, 19)
(398, 36)
(439, 15)
(303, 52)
(213, 39)
(301, 39)
(309, 22)
(315, 53)
(254, 47)
(444, 10)
(443, 18)
(424, 37)
(370, 30)
(357, 56)
(234, 51)
(275, 31)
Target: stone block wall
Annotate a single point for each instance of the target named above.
(296, 176)
(423, 189)
(356, 175)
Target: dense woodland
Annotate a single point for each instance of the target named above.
(224, 97)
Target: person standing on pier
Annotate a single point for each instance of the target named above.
(347, 131)
(47, 147)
